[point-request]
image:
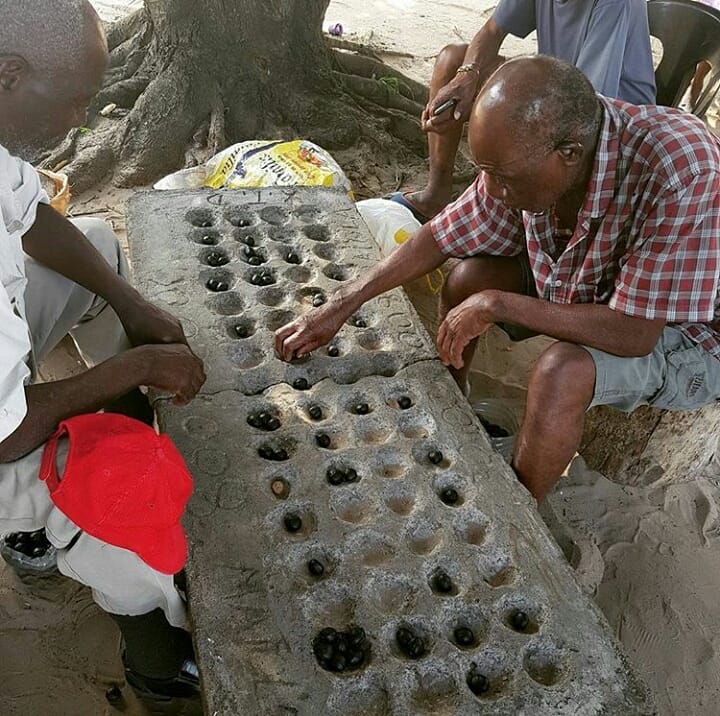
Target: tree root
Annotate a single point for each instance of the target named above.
(362, 66)
(380, 93)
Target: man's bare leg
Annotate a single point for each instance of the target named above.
(442, 147)
(561, 389)
(472, 276)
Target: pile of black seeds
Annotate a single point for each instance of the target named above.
(263, 421)
(409, 643)
(339, 475)
(340, 651)
(31, 544)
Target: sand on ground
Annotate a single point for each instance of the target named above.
(648, 554)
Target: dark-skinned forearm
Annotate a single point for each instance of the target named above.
(589, 324)
(50, 403)
(56, 243)
(485, 45)
(415, 258)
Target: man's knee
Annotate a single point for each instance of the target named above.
(480, 273)
(462, 281)
(103, 238)
(451, 57)
(564, 373)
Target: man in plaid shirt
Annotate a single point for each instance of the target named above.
(592, 221)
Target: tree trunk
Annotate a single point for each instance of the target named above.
(205, 74)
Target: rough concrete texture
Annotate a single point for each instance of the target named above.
(172, 266)
(380, 539)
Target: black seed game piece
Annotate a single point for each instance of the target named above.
(217, 285)
(335, 476)
(316, 568)
(292, 522)
(266, 452)
(318, 300)
(301, 384)
(449, 496)
(241, 331)
(359, 322)
(333, 351)
(464, 636)
(215, 258)
(315, 412)
(351, 475)
(441, 582)
(292, 258)
(412, 646)
(113, 695)
(477, 683)
(519, 620)
(361, 409)
(205, 224)
(263, 421)
(272, 423)
(323, 440)
(207, 240)
(248, 241)
(254, 261)
(404, 402)
(435, 457)
(341, 651)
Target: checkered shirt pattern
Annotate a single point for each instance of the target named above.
(647, 240)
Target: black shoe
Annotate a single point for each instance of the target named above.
(29, 552)
(162, 694)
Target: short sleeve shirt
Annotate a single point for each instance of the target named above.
(647, 240)
(608, 40)
(20, 193)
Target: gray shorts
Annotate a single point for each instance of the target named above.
(677, 375)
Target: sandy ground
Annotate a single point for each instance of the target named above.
(647, 554)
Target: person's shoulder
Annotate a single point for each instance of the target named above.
(666, 140)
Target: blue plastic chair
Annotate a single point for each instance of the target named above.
(689, 32)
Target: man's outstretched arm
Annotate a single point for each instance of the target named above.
(413, 259)
(58, 244)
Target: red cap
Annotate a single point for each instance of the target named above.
(123, 484)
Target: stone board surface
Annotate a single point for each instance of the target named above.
(257, 609)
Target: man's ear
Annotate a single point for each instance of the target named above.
(570, 151)
(13, 69)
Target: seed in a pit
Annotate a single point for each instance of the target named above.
(292, 258)
(301, 384)
(241, 331)
(207, 240)
(254, 261)
(280, 488)
(360, 323)
(464, 636)
(316, 568)
(477, 683)
(351, 475)
(435, 457)
(292, 522)
(404, 402)
(315, 412)
(519, 620)
(318, 300)
(361, 409)
(333, 351)
(216, 285)
(323, 440)
(442, 582)
(335, 476)
(449, 496)
(272, 423)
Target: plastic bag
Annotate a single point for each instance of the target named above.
(392, 224)
(262, 163)
(57, 187)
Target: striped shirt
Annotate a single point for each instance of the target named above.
(647, 239)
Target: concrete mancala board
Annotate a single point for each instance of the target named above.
(357, 547)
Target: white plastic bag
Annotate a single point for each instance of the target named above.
(392, 224)
(261, 163)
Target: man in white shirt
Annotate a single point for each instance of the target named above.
(59, 277)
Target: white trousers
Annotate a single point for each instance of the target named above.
(121, 582)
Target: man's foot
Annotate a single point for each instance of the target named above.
(29, 552)
(176, 695)
(423, 204)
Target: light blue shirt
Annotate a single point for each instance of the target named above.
(608, 40)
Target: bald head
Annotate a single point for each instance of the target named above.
(48, 34)
(541, 100)
(53, 55)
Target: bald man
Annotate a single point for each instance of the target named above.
(609, 40)
(592, 221)
(60, 277)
